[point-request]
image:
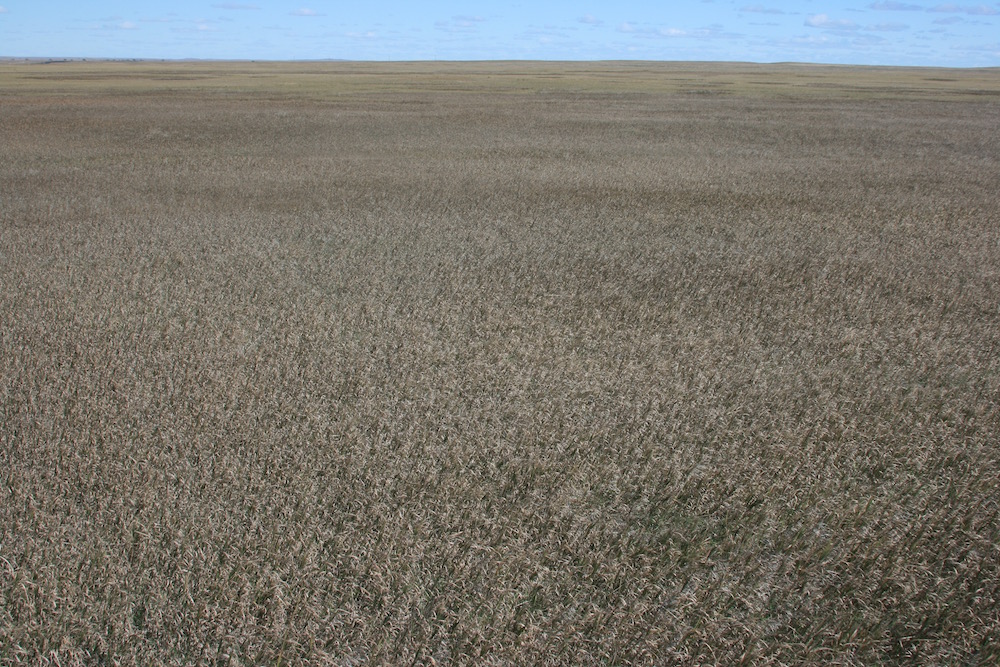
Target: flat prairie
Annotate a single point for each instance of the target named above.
(499, 363)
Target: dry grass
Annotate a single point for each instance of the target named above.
(499, 364)
(328, 81)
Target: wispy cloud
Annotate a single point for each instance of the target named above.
(235, 6)
(460, 24)
(709, 32)
(993, 48)
(3, 10)
(590, 19)
(115, 23)
(978, 10)
(889, 27)
(812, 41)
(895, 6)
(869, 40)
(761, 9)
(645, 31)
(305, 11)
(824, 22)
(185, 27)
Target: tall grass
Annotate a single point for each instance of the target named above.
(565, 377)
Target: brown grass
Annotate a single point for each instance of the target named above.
(499, 364)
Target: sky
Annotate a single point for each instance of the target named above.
(887, 32)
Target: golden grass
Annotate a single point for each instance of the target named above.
(498, 364)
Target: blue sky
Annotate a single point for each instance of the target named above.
(886, 32)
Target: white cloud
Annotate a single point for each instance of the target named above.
(826, 23)
(3, 10)
(235, 6)
(714, 31)
(305, 12)
(590, 19)
(889, 27)
(127, 25)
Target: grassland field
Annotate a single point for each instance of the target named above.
(499, 363)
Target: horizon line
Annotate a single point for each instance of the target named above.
(71, 59)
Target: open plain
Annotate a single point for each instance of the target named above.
(499, 363)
